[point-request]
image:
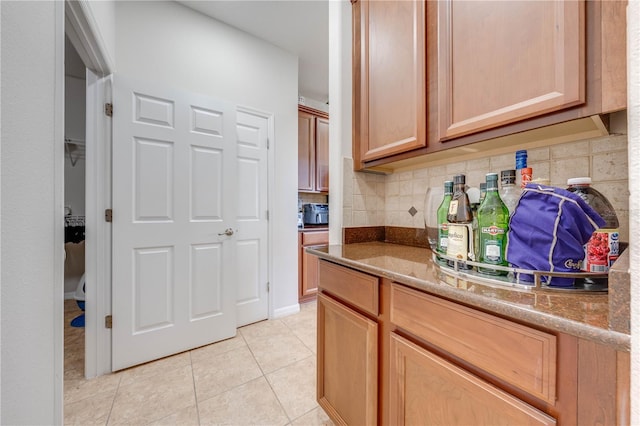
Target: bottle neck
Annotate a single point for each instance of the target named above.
(458, 187)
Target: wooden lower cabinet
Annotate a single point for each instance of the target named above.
(347, 383)
(308, 263)
(392, 354)
(426, 389)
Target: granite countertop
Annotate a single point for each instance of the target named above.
(584, 315)
(312, 228)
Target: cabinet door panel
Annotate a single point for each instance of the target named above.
(428, 390)
(309, 286)
(347, 364)
(306, 151)
(390, 100)
(501, 62)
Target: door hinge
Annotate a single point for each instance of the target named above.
(108, 321)
(267, 214)
(108, 109)
(108, 215)
(267, 143)
(268, 286)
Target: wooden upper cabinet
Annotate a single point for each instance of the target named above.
(313, 150)
(306, 151)
(502, 62)
(322, 154)
(389, 105)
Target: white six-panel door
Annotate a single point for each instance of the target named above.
(176, 164)
(251, 259)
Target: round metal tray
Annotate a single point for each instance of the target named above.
(585, 282)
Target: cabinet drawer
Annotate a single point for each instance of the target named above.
(356, 288)
(429, 390)
(315, 238)
(520, 355)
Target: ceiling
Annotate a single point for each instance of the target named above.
(300, 27)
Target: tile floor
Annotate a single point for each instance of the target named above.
(265, 375)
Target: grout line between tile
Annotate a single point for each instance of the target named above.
(115, 395)
(195, 391)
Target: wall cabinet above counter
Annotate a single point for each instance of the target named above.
(313, 150)
(430, 77)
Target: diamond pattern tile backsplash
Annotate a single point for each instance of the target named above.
(388, 200)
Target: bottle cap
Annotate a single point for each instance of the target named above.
(521, 159)
(526, 171)
(459, 179)
(508, 177)
(448, 186)
(491, 176)
(579, 181)
(492, 180)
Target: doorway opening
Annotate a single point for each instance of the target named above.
(74, 202)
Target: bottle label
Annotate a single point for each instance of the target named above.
(458, 241)
(492, 242)
(601, 251)
(453, 207)
(493, 251)
(443, 237)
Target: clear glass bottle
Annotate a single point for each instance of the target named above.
(602, 250)
(509, 193)
(460, 219)
(493, 224)
(443, 210)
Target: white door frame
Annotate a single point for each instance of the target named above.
(81, 28)
(271, 185)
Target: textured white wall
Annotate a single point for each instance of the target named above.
(339, 112)
(32, 78)
(633, 112)
(170, 44)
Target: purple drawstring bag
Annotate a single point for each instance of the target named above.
(547, 232)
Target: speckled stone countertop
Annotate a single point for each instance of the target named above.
(584, 315)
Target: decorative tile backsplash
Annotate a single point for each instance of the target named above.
(386, 200)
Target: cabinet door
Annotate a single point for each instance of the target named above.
(428, 390)
(347, 364)
(505, 61)
(306, 151)
(309, 284)
(389, 78)
(322, 154)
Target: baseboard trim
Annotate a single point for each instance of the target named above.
(285, 311)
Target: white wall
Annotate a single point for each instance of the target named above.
(32, 78)
(340, 89)
(74, 128)
(167, 43)
(633, 93)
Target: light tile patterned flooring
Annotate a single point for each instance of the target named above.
(263, 376)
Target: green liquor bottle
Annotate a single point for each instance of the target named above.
(493, 224)
(443, 225)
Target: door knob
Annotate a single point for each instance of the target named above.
(228, 232)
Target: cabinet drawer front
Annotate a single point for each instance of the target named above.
(522, 356)
(429, 390)
(315, 238)
(356, 288)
